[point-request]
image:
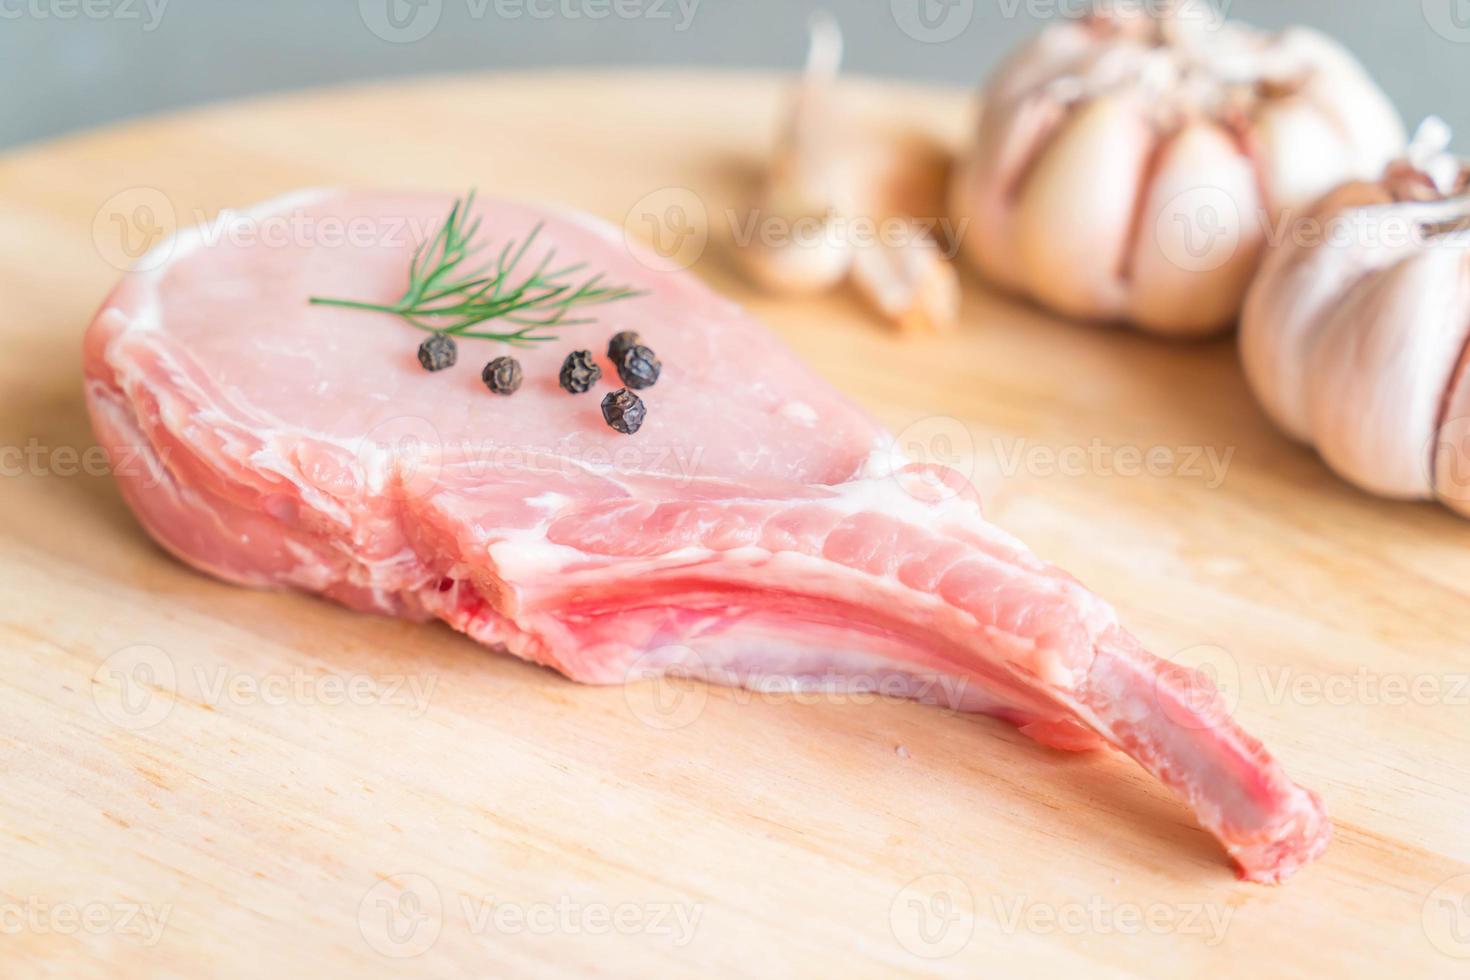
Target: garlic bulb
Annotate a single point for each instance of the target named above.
(839, 203)
(1129, 166)
(1354, 334)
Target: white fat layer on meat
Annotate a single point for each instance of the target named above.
(371, 572)
(271, 461)
(310, 572)
(799, 412)
(526, 555)
(549, 502)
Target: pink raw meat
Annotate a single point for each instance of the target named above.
(759, 528)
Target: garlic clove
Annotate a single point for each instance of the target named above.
(1378, 370)
(1340, 85)
(1301, 152)
(835, 203)
(909, 281)
(796, 245)
(1199, 235)
(1075, 214)
(989, 179)
(808, 253)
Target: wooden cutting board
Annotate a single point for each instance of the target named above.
(198, 780)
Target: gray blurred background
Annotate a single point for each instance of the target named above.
(71, 64)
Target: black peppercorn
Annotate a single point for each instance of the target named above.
(624, 411)
(579, 371)
(438, 353)
(639, 367)
(502, 375)
(620, 343)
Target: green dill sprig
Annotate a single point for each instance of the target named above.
(442, 298)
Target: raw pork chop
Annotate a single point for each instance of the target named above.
(755, 529)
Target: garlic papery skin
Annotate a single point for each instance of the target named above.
(1450, 457)
(1131, 167)
(1354, 333)
(1378, 369)
(1320, 256)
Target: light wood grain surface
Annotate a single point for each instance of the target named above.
(198, 780)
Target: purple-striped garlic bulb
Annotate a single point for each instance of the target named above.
(1354, 335)
(1129, 166)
